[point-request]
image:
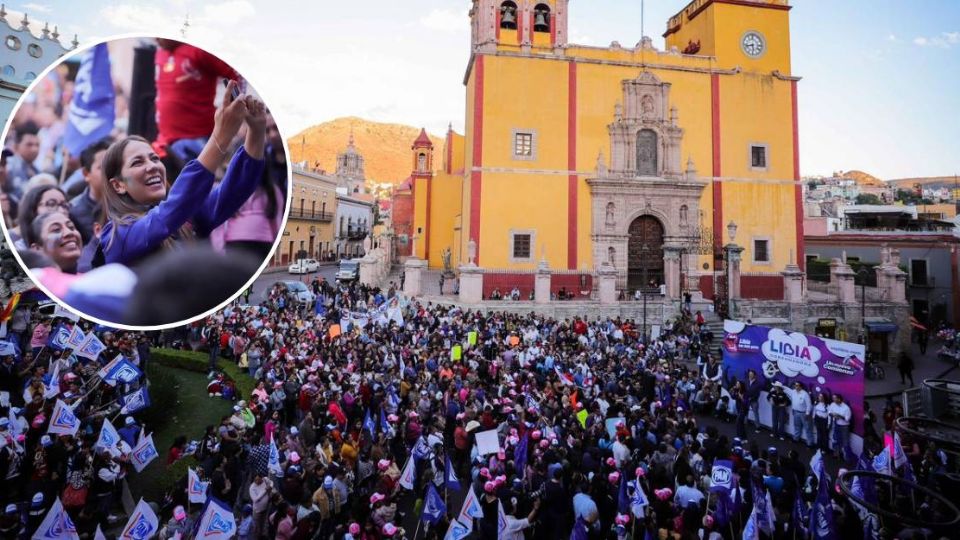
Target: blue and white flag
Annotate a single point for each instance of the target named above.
(471, 508)
(763, 508)
(450, 479)
(638, 501)
(56, 525)
(821, 517)
(409, 475)
(801, 517)
(65, 313)
(217, 522)
(433, 508)
(899, 456)
(458, 531)
(99, 534)
(90, 347)
(750, 530)
(384, 425)
(109, 437)
(721, 477)
(273, 462)
(123, 371)
(196, 488)
(142, 525)
(91, 112)
(143, 453)
(369, 425)
(520, 456)
(63, 421)
(7, 348)
(53, 389)
(135, 401)
(882, 463)
(76, 337)
(57, 339)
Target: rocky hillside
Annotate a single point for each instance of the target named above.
(862, 178)
(385, 147)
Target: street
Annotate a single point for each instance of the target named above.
(272, 275)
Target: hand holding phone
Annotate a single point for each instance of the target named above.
(236, 88)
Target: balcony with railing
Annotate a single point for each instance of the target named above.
(311, 215)
(354, 233)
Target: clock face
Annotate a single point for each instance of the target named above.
(753, 44)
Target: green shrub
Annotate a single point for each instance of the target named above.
(199, 362)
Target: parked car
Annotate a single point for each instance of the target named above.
(298, 292)
(349, 271)
(304, 266)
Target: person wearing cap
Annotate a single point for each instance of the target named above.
(179, 524)
(11, 522)
(327, 501)
(37, 510)
(780, 404)
(383, 510)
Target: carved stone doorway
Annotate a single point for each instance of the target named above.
(644, 252)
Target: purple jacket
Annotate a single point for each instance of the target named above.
(191, 199)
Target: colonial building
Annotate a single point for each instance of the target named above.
(662, 164)
(309, 232)
(23, 56)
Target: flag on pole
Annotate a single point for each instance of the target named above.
(58, 338)
(102, 373)
(501, 521)
(99, 534)
(821, 517)
(62, 312)
(142, 525)
(434, 510)
(639, 501)
(56, 524)
(91, 113)
(801, 516)
(762, 509)
(63, 421)
(109, 437)
(8, 310)
(53, 389)
(123, 372)
(458, 531)
(369, 425)
(76, 337)
(409, 475)
(135, 401)
(384, 425)
(91, 347)
(623, 500)
(721, 477)
(580, 530)
(520, 456)
(196, 488)
(896, 452)
(471, 508)
(143, 453)
(217, 522)
(450, 479)
(273, 462)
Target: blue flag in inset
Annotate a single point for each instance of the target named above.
(91, 112)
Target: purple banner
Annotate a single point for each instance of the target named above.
(822, 365)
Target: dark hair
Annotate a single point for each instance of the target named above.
(90, 152)
(27, 212)
(34, 233)
(24, 129)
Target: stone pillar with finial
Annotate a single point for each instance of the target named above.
(542, 280)
(471, 277)
(792, 282)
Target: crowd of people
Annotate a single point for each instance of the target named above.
(369, 406)
(103, 215)
(55, 400)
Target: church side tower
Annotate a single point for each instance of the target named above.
(421, 179)
(350, 173)
(518, 23)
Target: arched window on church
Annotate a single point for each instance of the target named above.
(508, 15)
(422, 163)
(541, 18)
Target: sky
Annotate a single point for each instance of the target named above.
(879, 91)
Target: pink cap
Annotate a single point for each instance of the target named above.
(708, 521)
(294, 457)
(389, 529)
(500, 480)
(490, 486)
(622, 519)
(485, 472)
(393, 417)
(544, 443)
(611, 462)
(179, 514)
(383, 464)
(535, 435)
(377, 497)
(640, 472)
(613, 477)
(354, 529)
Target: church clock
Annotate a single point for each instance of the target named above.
(753, 44)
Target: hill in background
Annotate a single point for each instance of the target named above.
(385, 147)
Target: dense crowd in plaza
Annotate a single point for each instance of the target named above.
(372, 418)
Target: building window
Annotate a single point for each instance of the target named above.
(918, 273)
(759, 156)
(525, 144)
(522, 245)
(761, 250)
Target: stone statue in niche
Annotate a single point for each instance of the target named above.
(611, 256)
(646, 106)
(611, 208)
(683, 215)
(646, 153)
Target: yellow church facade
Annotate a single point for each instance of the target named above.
(649, 161)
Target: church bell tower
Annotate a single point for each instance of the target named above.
(518, 23)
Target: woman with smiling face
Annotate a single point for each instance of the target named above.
(146, 215)
(38, 201)
(54, 235)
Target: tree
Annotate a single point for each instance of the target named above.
(868, 198)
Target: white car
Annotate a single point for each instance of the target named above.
(304, 266)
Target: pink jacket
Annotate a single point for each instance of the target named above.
(250, 224)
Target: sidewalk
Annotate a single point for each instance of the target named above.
(926, 366)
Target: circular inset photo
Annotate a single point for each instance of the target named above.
(144, 182)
